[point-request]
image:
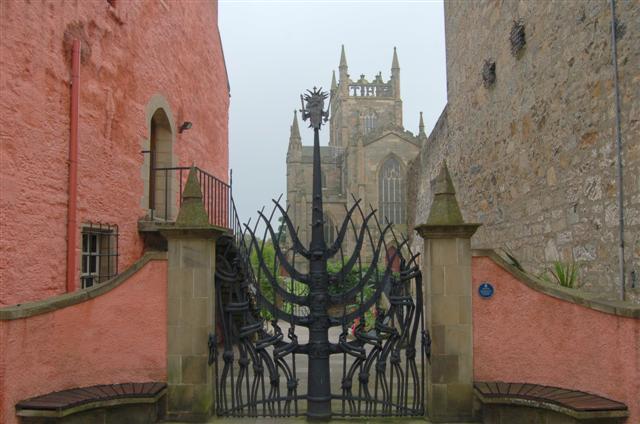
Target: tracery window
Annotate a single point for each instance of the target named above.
(392, 192)
(369, 122)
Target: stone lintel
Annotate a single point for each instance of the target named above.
(446, 231)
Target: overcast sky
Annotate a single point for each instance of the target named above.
(275, 50)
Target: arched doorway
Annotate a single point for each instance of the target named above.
(161, 201)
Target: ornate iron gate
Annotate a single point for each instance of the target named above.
(379, 345)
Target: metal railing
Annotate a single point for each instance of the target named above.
(165, 196)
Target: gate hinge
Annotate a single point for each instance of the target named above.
(213, 351)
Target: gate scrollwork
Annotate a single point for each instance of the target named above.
(272, 327)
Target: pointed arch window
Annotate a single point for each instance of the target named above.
(392, 191)
(369, 122)
(329, 230)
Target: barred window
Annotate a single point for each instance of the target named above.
(99, 254)
(329, 230)
(391, 192)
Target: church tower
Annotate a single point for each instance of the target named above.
(359, 107)
(367, 156)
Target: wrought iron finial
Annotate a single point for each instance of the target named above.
(314, 109)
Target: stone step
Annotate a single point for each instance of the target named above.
(303, 420)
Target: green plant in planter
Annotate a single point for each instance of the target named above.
(563, 274)
(513, 260)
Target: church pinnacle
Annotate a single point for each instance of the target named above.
(295, 141)
(421, 132)
(343, 58)
(343, 69)
(395, 74)
(334, 85)
(295, 130)
(394, 63)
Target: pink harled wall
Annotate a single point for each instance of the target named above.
(119, 336)
(132, 53)
(524, 335)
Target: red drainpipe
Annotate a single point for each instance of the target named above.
(73, 168)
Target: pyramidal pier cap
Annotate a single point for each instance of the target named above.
(445, 218)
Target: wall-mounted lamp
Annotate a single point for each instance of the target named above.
(185, 126)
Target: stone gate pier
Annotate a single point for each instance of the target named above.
(191, 243)
(448, 306)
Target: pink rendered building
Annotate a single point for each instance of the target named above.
(95, 95)
(145, 69)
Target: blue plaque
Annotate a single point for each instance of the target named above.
(485, 290)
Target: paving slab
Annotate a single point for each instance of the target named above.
(303, 420)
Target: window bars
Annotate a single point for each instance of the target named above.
(99, 254)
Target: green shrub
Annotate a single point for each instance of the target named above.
(294, 287)
(336, 287)
(513, 260)
(268, 255)
(563, 274)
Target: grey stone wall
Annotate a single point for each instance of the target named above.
(533, 155)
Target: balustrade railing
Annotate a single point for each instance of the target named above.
(167, 185)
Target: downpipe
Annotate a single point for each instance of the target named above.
(73, 168)
(614, 61)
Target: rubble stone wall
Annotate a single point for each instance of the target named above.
(533, 156)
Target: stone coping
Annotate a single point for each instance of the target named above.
(574, 403)
(51, 304)
(150, 226)
(68, 402)
(589, 300)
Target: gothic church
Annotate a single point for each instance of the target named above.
(367, 155)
